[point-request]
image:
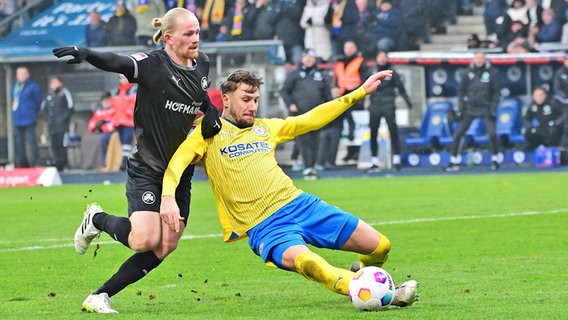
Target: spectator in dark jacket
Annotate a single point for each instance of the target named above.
(518, 33)
(26, 102)
(549, 31)
(121, 27)
(384, 26)
(478, 94)
(58, 109)
(95, 33)
(288, 28)
(543, 121)
(493, 10)
(383, 106)
(560, 84)
(560, 91)
(558, 6)
(305, 88)
(349, 22)
(262, 19)
(344, 21)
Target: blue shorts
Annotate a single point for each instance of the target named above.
(305, 220)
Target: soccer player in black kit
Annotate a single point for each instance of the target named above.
(172, 88)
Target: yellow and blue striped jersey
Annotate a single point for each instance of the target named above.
(247, 182)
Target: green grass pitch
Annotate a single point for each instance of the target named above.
(491, 246)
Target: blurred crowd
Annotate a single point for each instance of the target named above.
(521, 26)
(346, 32)
(513, 26)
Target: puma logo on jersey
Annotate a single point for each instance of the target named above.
(176, 80)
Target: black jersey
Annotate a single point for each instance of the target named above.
(168, 99)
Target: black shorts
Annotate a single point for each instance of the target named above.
(144, 191)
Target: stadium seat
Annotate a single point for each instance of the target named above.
(434, 131)
(509, 123)
(476, 133)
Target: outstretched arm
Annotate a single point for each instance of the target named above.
(107, 61)
(327, 112)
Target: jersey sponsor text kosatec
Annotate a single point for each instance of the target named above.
(238, 158)
(248, 184)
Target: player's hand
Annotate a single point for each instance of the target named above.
(373, 82)
(293, 108)
(211, 124)
(169, 213)
(79, 53)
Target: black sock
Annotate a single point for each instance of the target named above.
(117, 227)
(132, 270)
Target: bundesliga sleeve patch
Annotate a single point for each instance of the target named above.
(139, 56)
(193, 127)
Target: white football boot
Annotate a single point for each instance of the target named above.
(87, 230)
(98, 303)
(405, 294)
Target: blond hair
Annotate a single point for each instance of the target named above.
(168, 22)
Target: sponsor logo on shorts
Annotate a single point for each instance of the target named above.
(148, 197)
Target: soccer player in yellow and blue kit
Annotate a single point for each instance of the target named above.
(255, 198)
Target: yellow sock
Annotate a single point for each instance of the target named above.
(378, 257)
(313, 267)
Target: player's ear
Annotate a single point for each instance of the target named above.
(167, 37)
(225, 98)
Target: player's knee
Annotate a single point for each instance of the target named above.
(170, 246)
(380, 255)
(143, 243)
(164, 250)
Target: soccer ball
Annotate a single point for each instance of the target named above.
(371, 289)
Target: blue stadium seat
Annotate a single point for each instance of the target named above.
(434, 131)
(509, 122)
(477, 132)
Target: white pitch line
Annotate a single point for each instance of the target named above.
(501, 215)
(375, 223)
(69, 243)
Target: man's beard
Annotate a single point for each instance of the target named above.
(244, 124)
(192, 55)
